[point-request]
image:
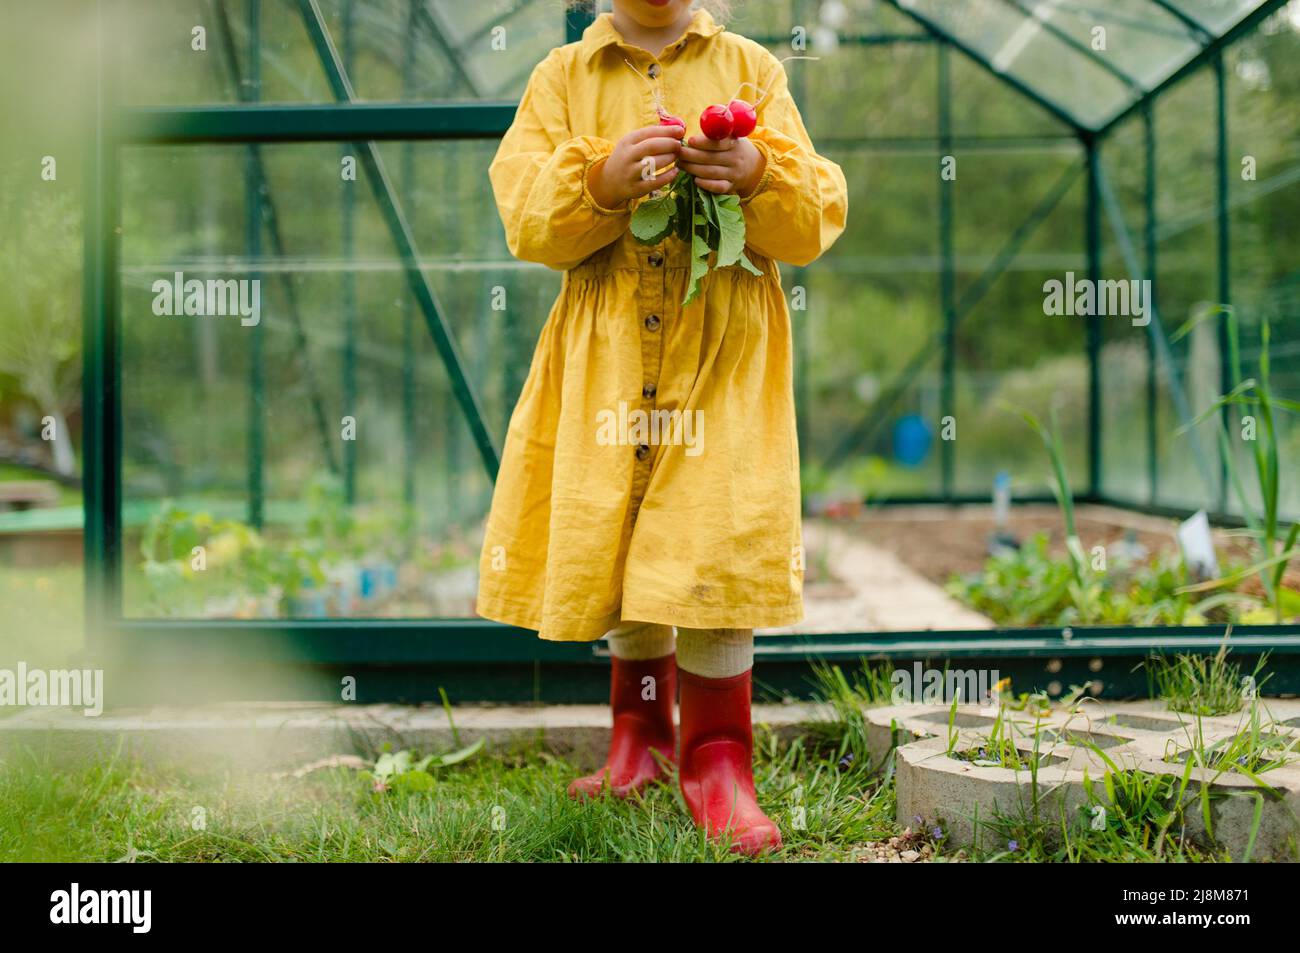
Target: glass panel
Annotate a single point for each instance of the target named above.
(1136, 37)
(1264, 199)
(870, 280)
(1128, 362)
(823, 26)
(888, 90)
(1021, 47)
(984, 106)
(1011, 355)
(392, 49)
(1217, 15)
(373, 488)
(1187, 284)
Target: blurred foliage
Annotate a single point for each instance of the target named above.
(1031, 586)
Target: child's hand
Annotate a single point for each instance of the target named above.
(630, 170)
(729, 165)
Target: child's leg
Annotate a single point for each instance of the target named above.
(715, 653)
(638, 641)
(642, 689)
(716, 765)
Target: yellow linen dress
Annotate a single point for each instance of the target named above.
(650, 471)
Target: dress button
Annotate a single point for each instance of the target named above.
(652, 322)
(653, 71)
(648, 391)
(642, 451)
(656, 259)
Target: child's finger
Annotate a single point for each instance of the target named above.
(657, 146)
(721, 186)
(652, 167)
(648, 132)
(703, 156)
(712, 145)
(646, 186)
(702, 171)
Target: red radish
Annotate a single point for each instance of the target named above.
(668, 119)
(744, 117)
(716, 122)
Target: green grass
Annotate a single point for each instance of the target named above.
(106, 811)
(1205, 685)
(829, 800)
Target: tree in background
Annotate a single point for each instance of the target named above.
(40, 320)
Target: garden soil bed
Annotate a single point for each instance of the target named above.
(938, 541)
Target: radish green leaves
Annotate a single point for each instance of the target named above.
(708, 222)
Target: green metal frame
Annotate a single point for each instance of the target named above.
(413, 659)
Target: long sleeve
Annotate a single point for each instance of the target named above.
(800, 204)
(539, 178)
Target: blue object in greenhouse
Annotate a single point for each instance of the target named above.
(911, 440)
(370, 582)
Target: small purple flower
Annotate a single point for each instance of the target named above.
(1013, 846)
(846, 762)
(937, 833)
(916, 819)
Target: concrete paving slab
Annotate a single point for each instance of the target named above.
(964, 797)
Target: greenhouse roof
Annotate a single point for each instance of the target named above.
(1089, 62)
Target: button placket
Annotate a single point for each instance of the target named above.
(652, 298)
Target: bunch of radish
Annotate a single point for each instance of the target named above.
(736, 120)
(711, 225)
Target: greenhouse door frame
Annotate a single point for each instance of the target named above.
(399, 659)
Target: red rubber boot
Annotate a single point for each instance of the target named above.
(716, 765)
(640, 728)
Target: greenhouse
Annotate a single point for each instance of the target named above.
(1046, 381)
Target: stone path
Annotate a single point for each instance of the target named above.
(872, 591)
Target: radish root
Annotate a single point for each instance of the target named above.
(762, 93)
(655, 92)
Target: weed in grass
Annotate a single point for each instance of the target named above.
(844, 735)
(1203, 685)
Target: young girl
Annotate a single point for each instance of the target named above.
(631, 531)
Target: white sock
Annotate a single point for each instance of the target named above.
(715, 653)
(639, 641)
